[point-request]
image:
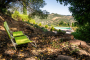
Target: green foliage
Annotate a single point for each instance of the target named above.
(25, 17)
(83, 33)
(72, 24)
(16, 15)
(22, 17)
(28, 20)
(61, 23)
(36, 26)
(32, 5)
(40, 14)
(55, 19)
(3, 10)
(64, 32)
(52, 28)
(80, 10)
(55, 29)
(45, 30)
(9, 13)
(40, 24)
(46, 26)
(59, 31)
(34, 22)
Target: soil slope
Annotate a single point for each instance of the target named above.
(49, 45)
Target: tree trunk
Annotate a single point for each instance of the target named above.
(24, 8)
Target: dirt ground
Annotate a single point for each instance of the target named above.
(50, 46)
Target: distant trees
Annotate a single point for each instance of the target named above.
(61, 23)
(64, 24)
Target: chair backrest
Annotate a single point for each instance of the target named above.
(7, 29)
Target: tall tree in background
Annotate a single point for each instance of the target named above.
(25, 7)
(31, 5)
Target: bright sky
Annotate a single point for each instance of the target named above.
(54, 7)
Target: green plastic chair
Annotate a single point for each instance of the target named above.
(18, 36)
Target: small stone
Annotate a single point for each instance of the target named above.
(63, 57)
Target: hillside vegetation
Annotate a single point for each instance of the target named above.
(55, 19)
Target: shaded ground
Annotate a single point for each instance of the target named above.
(50, 46)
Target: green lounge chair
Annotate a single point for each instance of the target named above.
(18, 36)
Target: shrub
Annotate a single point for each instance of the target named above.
(22, 19)
(32, 21)
(45, 30)
(83, 33)
(40, 24)
(59, 31)
(36, 26)
(52, 28)
(55, 29)
(16, 15)
(25, 17)
(46, 26)
(64, 32)
(9, 13)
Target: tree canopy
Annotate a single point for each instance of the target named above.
(32, 6)
(80, 10)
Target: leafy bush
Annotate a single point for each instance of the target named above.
(16, 15)
(55, 29)
(40, 24)
(34, 22)
(36, 26)
(59, 31)
(25, 17)
(22, 19)
(82, 33)
(45, 30)
(9, 13)
(52, 28)
(46, 26)
(64, 32)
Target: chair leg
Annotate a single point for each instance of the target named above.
(35, 45)
(14, 44)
